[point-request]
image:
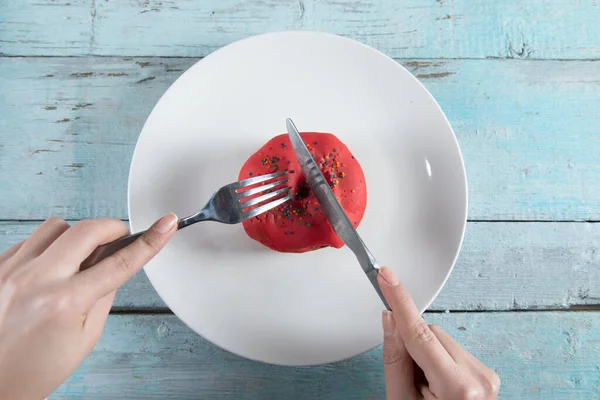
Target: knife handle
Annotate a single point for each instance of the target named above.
(372, 274)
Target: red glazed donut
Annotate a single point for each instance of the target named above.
(300, 225)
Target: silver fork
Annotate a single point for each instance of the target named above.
(224, 206)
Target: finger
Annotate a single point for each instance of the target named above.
(116, 269)
(93, 324)
(10, 251)
(73, 246)
(397, 363)
(451, 345)
(96, 316)
(455, 350)
(421, 343)
(42, 238)
(420, 378)
(427, 394)
(488, 380)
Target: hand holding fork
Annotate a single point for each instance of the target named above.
(231, 204)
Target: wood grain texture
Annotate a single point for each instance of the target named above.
(542, 355)
(503, 266)
(529, 132)
(408, 29)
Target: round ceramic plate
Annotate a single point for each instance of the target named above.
(316, 307)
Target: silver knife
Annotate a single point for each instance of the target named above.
(333, 210)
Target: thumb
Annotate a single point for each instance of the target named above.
(116, 269)
(397, 363)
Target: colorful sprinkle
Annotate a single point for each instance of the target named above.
(335, 150)
(353, 190)
(283, 146)
(342, 174)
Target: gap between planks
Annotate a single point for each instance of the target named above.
(574, 308)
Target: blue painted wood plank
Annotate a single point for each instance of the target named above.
(548, 29)
(529, 132)
(45, 27)
(502, 266)
(550, 355)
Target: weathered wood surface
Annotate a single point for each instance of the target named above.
(404, 29)
(529, 132)
(537, 355)
(503, 266)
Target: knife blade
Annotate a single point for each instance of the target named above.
(333, 210)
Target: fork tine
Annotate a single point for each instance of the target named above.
(262, 188)
(258, 179)
(264, 197)
(266, 207)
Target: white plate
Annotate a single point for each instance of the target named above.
(316, 307)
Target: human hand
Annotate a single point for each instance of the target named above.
(51, 313)
(424, 362)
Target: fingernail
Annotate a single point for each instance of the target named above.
(389, 324)
(166, 223)
(389, 276)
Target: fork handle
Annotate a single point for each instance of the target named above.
(111, 248)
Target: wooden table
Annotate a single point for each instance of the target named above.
(519, 81)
